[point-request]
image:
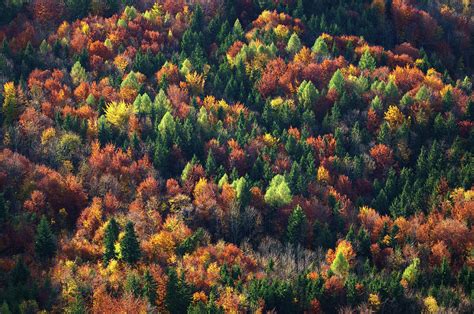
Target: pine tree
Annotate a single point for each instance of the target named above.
(45, 242)
(320, 47)
(337, 81)
(149, 287)
(178, 294)
(110, 237)
(294, 44)
(367, 62)
(297, 224)
(129, 245)
(340, 265)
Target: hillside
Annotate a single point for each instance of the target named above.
(288, 156)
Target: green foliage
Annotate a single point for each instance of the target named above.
(294, 44)
(367, 62)
(278, 193)
(337, 81)
(320, 47)
(297, 226)
(45, 241)
(78, 73)
(178, 294)
(129, 245)
(340, 265)
(110, 237)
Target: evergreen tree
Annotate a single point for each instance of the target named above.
(296, 229)
(337, 81)
(367, 62)
(340, 265)
(294, 44)
(45, 242)
(110, 237)
(149, 287)
(129, 245)
(178, 294)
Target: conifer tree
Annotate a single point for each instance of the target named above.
(340, 265)
(149, 287)
(294, 44)
(367, 62)
(45, 242)
(296, 229)
(129, 245)
(111, 236)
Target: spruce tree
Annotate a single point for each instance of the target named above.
(45, 242)
(129, 245)
(111, 236)
(178, 295)
(149, 287)
(296, 229)
(367, 62)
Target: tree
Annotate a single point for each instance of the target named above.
(367, 62)
(340, 266)
(118, 113)
(45, 242)
(129, 245)
(149, 287)
(307, 94)
(178, 294)
(294, 44)
(110, 237)
(78, 73)
(167, 127)
(410, 274)
(297, 226)
(337, 81)
(9, 103)
(320, 47)
(278, 193)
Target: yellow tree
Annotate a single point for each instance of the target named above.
(118, 113)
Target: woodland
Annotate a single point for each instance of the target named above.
(236, 156)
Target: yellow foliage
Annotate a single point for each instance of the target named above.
(323, 174)
(47, 134)
(118, 113)
(199, 297)
(269, 139)
(121, 62)
(394, 117)
(281, 31)
(9, 90)
(85, 28)
(374, 301)
(304, 56)
(277, 102)
(195, 82)
(431, 305)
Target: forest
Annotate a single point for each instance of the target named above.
(236, 156)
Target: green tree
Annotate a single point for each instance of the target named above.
(367, 62)
(320, 47)
(78, 73)
(167, 127)
(45, 242)
(337, 81)
(294, 44)
(178, 294)
(149, 287)
(297, 226)
(340, 265)
(410, 274)
(278, 193)
(110, 237)
(129, 245)
(307, 94)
